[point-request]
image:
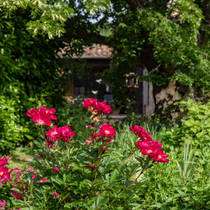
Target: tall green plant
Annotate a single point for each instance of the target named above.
(195, 125)
(187, 164)
(30, 75)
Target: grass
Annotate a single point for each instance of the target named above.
(20, 157)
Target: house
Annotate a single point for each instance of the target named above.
(98, 57)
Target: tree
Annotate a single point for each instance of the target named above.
(170, 38)
(30, 74)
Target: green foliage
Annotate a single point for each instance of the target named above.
(30, 76)
(170, 190)
(111, 180)
(183, 183)
(45, 18)
(73, 114)
(194, 125)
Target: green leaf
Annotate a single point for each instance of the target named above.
(101, 201)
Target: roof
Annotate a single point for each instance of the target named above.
(96, 51)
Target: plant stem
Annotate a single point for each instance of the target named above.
(142, 171)
(45, 139)
(101, 151)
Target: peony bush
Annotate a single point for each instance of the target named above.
(85, 173)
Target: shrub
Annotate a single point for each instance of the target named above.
(195, 125)
(30, 76)
(85, 173)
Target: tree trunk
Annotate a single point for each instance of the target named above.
(164, 95)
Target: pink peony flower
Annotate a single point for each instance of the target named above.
(67, 167)
(145, 136)
(66, 140)
(34, 176)
(53, 133)
(55, 169)
(88, 141)
(148, 146)
(42, 119)
(4, 174)
(136, 129)
(4, 161)
(66, 131)
(107, 130)
(89, 126)
(160, 157)
(15, 193)
(143, 144)
(51, 113)
(43, 180)
(32, 112)
(17, 173)
(101, 107)
(104, 148)
(56, 194)
(89, 102)
(2, 203)
(50, 145)
(42, 116)
(95, 136)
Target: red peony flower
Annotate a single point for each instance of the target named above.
(15, 193)
(4, 161)
(56, 194)
(55, 169)
(148, 146)
(136, 129)
(101, 107)
(89, 126)
(66, 131)
(42, 116)
(89, 102)
(95, 136)
(103, 149)
(142, 144)
(43, 180)
(160, 157)
(54, 133)
(17, 173)
(41, 119)
(4, 174)
(145, 136)
(50, 145)
(2, 203)
(51, 113)
(88, 141)
(32, 112)
(66, 140)
(107, 131)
